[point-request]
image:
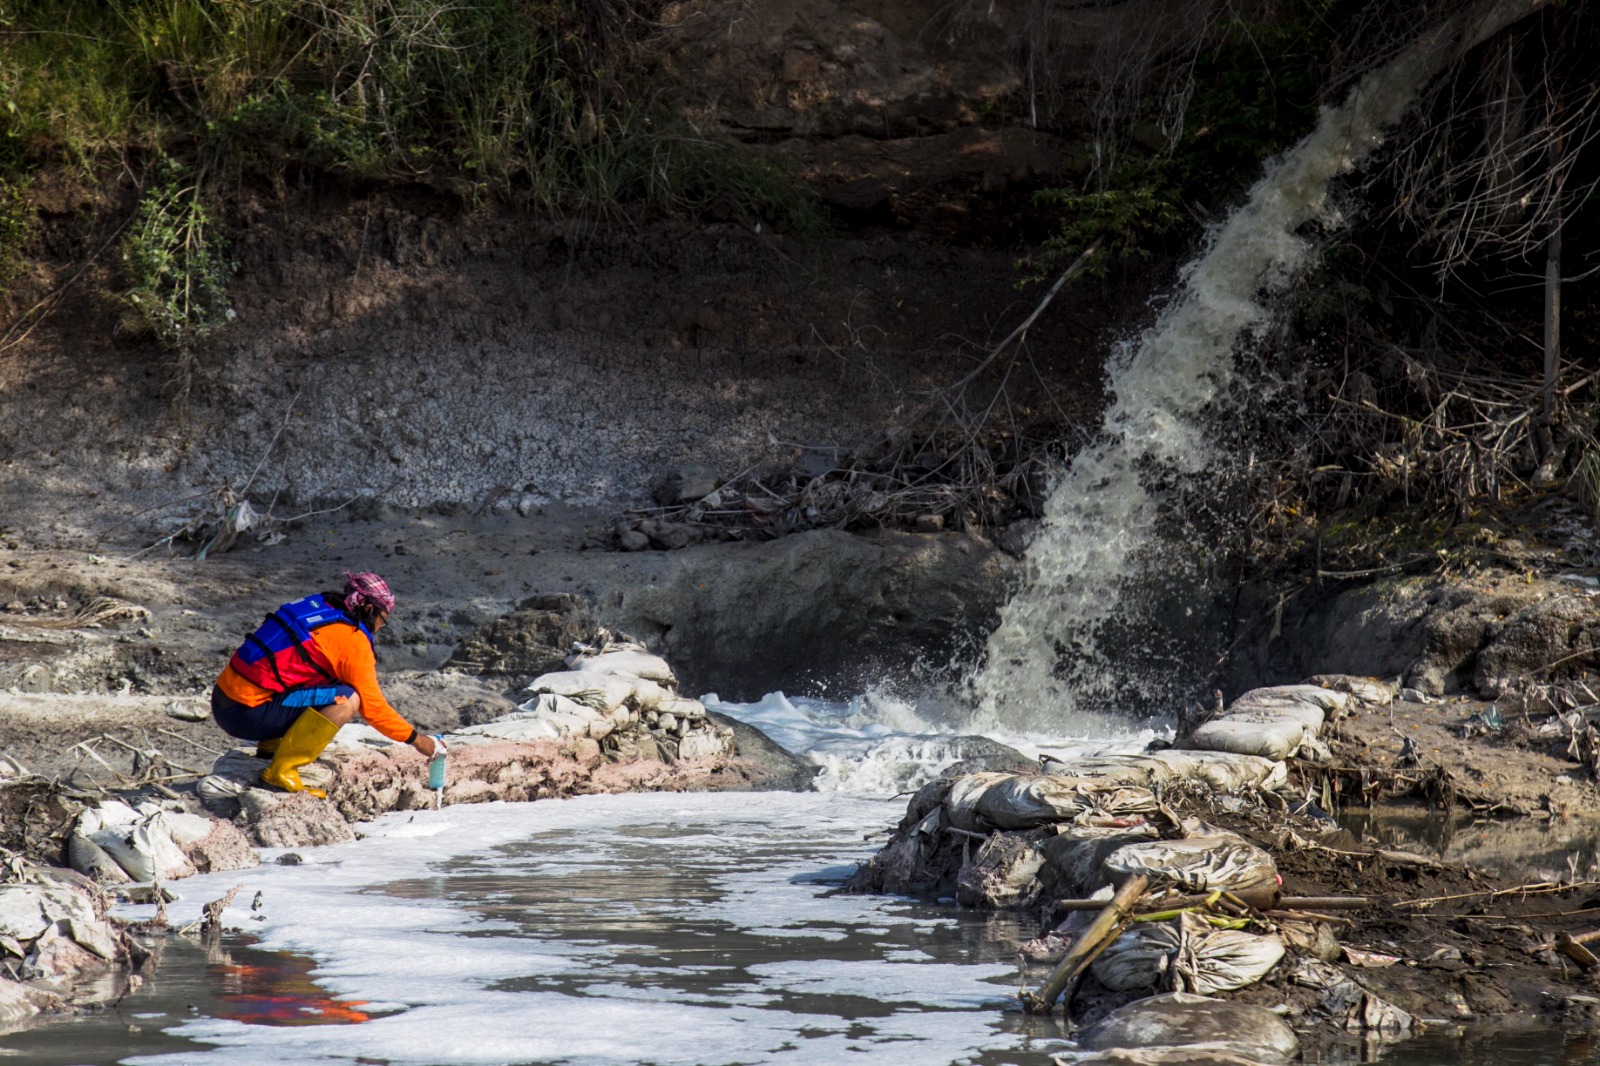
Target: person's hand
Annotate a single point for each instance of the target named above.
(425, 744)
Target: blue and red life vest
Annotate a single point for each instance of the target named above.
(280, 655)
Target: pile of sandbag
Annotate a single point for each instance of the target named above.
(1009, 839)
(1273, 723)
(608, 686)
(115, 843)
(53, 931)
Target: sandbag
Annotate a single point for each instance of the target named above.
(1329, 700)
(185, 828)
(648, 695)
(1309, 715)
(1184, 1020)
(1077, 857)
(1139, 959)
(109, 813)
(1023, 801)
(681, 707)
(602, 692)
(1268, 736)
(544, 705)
(961, 801)
(561, 717)
(1115, 803)
(637, 663)
(702, 744)
(146, 851)
(1368, 690)
(91, 860)
(530, 728)
(1196, 863)
(1231, 771)
(1209, 960)
(1220, 769)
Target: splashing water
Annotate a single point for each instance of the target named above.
(1049, 653)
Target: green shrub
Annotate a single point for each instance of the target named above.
(176, 276)
(17, 220)
(505, 98)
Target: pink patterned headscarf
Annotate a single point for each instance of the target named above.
(366, 588)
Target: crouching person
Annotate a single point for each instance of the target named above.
(308, 670)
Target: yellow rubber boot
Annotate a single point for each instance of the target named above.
(266, 749)
(304, 741)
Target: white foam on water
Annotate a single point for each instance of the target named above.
(472, 984)
(879, 745)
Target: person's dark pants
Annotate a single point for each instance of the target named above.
(271, 720)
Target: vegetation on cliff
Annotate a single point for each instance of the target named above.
(518, 101)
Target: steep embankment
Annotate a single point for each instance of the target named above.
(431, 340)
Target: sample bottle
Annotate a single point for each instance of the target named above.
(436, 765)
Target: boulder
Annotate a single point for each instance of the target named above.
(748, 618)
(684, 484)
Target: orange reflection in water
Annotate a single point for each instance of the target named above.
(280, 991)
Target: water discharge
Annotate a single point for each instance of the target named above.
(1049, 655)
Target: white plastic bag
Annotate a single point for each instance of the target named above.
(147, 852)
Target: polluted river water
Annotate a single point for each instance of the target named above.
(639, 928)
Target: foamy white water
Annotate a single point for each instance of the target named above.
(1049, 650)
(659, 928)
(878, 745)
(611, 929)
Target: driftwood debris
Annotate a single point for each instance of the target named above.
(1105, 929)
(1573, 947)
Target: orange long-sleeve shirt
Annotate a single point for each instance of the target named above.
(350, 655)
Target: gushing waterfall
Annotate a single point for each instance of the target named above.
(1097, 532)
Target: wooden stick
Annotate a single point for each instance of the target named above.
(1309, 916)
(1325, 903)
(1261, 898)
(966, 833)
(1064, 978)
(1564, 938)
(1538, 888)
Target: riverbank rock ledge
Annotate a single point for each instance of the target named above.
(611, 721)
